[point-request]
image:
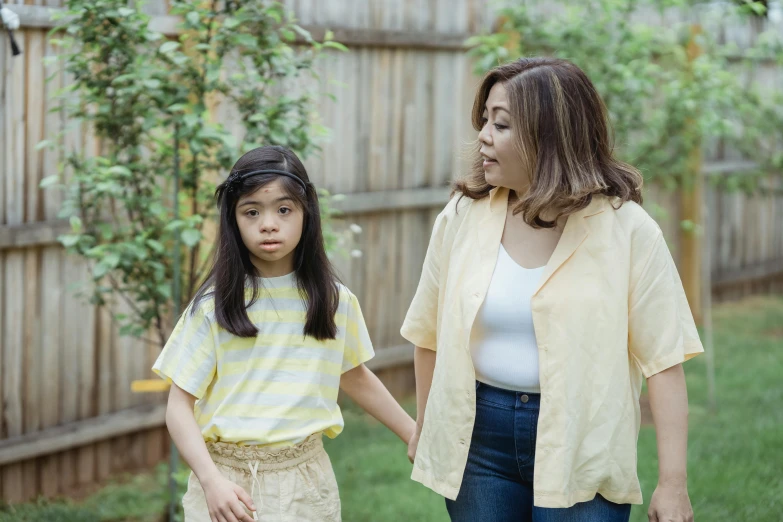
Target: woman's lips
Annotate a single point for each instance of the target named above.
(489, 163)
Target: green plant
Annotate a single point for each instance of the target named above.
(149, 102)
(665, 99)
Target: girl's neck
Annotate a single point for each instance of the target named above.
(270, 270)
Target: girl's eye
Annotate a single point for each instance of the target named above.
(284, 210)
(251, 213)
(483, 121)
(498, 126)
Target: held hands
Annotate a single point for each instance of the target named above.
(226, 501)
(670, 503)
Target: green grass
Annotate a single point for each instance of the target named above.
(735, 458)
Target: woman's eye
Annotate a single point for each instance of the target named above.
(499, 126)
(284, 210)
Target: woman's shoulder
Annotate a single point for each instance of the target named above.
(633, 218)
(454, 213)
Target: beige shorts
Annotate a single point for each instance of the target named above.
(294, 484)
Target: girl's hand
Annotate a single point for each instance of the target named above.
(670, 503)
(413, 443)
(225, 500)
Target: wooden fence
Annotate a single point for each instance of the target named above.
(68, 417)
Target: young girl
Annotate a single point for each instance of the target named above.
(261, 354)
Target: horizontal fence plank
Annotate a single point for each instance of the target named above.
(46, 232)
(392, 200)
(41, 17)
(749, 273)
(33, 234)
(391, 356)
(80, 433)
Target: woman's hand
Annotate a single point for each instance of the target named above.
(670, 503)
(413, 443)
(225, 500)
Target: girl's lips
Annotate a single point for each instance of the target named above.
(270, 247)
(488, 163)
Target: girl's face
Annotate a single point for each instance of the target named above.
(270, 224)
(503, 164)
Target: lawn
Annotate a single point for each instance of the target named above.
(735, 455)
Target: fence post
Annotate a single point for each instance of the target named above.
(691, 205)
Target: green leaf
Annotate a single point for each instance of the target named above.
(44, 144)
(69, 240)
(76, 224)
(99, 270)
(49, 181)
(155, 245)
(168, 47)
(336, 45)
(125, 11)
(112, 260)
(193, 18)
(303, 32)
(191, 237)
(120, 170)
(230, 23)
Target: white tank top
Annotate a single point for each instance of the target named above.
(502, 340)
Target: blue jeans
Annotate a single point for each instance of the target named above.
(498, 481)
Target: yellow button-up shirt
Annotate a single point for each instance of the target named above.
(608, 311)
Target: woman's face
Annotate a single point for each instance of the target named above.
(503, 165)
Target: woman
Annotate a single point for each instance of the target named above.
(546, 297)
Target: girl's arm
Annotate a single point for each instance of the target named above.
(669, 405)
(361, 385)
(223, 496)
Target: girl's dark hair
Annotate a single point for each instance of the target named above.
(232, 268)
(563, 135)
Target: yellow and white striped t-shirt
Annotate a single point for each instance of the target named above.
(277, 388)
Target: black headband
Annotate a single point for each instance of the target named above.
(235, 178)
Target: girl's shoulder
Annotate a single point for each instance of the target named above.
(345, 294)
(203, 307)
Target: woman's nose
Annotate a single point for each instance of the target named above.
(485, 136)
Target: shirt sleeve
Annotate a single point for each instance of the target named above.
(358, 346)
(661, 329)
(421, 322)
(189, 357)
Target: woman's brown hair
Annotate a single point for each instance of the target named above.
(563, 136)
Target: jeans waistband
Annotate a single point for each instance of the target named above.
(507, 398)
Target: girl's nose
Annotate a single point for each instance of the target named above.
(269, 224)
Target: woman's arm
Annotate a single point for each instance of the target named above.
(364, 387)
(223, 496)
(424, 364)
(669, 405)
